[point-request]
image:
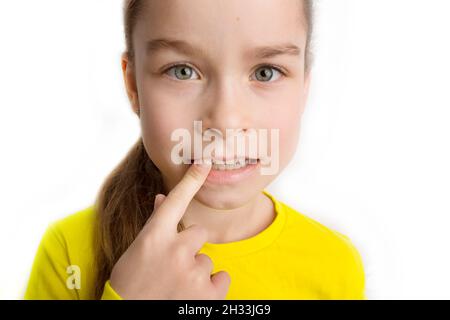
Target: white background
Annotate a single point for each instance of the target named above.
(373, 160)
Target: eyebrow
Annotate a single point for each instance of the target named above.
(266, 52)
(173, 44)
(181, 46)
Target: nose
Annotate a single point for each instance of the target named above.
(227, 106)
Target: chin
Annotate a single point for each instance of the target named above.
(225, 197)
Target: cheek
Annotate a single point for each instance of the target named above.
(289, 138)
(160, 117)
(163, 98)
(289, 127)
(287, 118)
(157, 127)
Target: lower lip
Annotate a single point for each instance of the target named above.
(231, 176)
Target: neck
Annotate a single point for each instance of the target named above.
(226, 225)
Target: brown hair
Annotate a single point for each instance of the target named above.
(125, 200)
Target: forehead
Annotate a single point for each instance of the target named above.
(223, 24)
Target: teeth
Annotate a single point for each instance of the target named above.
(236, 164)
(222, 165)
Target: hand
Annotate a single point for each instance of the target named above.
(162, 263)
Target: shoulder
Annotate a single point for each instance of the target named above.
(338, 256)
(71, 238)
(76, 222)
(66, 248)
(312, 230)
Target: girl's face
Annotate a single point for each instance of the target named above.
(231, 64)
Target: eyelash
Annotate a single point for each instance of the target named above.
(271, 66)
(185, 64)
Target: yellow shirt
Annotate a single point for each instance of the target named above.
(295, 257)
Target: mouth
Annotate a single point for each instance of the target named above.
(230, 164)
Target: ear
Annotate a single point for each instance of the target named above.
(129, 78)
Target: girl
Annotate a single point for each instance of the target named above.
(164, 230)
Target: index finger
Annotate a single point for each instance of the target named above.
(176, 202)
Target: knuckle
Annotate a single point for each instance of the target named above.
(149, 233)
(146, 242)
(204, 260)
(227, 280)
(174, 194)
(199, 231)
(197, 277)
(180, 254)
(150, 218)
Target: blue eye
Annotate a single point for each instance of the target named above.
(267, 73)
(181, 72)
